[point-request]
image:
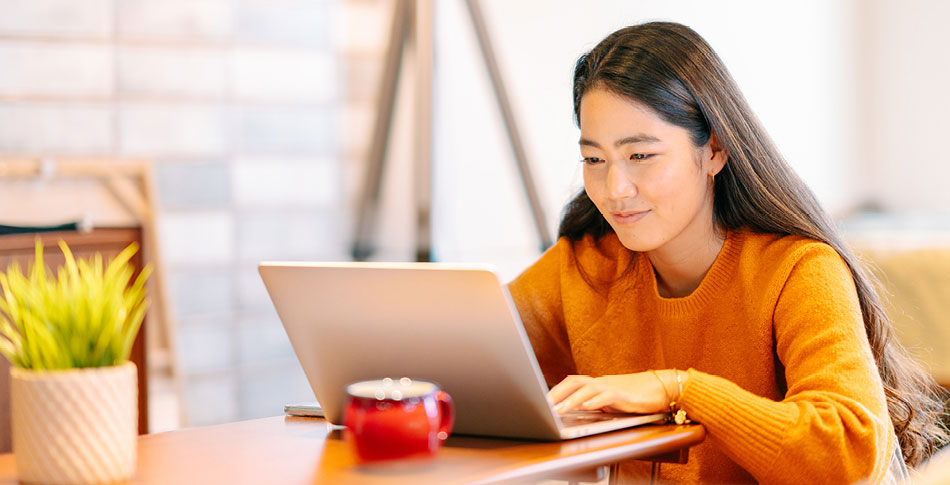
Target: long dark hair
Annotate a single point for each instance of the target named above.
(672, 69)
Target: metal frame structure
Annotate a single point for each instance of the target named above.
(412, 23)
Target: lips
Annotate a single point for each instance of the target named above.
(628, 217)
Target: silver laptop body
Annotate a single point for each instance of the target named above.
(453, 325)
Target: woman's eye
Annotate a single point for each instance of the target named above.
(592, 160)
(639, 156)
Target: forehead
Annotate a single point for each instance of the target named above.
(605, 116)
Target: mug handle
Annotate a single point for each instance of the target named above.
(447, 414)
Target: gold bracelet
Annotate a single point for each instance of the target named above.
(679, 416)
(662, 383)
(668, 398)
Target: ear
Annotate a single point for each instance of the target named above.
(716, 157)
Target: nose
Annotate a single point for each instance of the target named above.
(620, 184)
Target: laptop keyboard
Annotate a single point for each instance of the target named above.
(575, 418)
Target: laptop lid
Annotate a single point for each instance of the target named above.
(453, 325)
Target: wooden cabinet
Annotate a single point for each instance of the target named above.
(21, 247)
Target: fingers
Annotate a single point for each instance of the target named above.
(636, 393)
(579, 392)
(580, 398)
(568, 386)
(603, 400)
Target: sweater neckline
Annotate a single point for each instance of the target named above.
(716, 279)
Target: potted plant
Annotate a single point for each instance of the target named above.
(73, 392)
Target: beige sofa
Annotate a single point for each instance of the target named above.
(916, 288)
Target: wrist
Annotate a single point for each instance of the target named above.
(674, 385)
(684, 381)
(668, 376)
(679, 382)
(673, 382)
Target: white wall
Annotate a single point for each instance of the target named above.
(794, 62)
(236, 102)
(906, 71)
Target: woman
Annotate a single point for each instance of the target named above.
(696, 273)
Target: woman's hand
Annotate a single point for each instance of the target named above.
(628, 393)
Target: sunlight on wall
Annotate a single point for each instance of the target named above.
(798, 84)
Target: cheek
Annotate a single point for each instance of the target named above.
(662, 184)
(593, 186)
(677, 188)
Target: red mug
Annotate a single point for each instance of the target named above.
(387, 419)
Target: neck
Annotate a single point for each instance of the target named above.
(681, 265)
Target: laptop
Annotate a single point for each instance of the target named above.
(454, 325)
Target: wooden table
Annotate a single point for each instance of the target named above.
(289, 450)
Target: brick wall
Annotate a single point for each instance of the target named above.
(238, 102)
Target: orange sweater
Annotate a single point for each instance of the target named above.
(780, 370)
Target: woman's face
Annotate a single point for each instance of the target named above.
(645, 175)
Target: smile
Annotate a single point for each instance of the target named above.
(628, 217)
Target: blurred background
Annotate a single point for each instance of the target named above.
(256, 117)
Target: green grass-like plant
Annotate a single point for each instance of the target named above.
(85, 316)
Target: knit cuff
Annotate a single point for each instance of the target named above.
(749, 427)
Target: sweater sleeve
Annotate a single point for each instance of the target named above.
(832, 426)
(537, 295)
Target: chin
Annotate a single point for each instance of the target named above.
(635, 242)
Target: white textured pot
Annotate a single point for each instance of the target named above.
(74, 426)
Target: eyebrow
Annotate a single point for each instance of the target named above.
(639, 138)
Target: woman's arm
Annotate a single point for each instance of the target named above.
(644, 392)
(831, 427)
(833, 424)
